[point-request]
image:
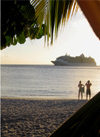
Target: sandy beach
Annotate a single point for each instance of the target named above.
(35, 118)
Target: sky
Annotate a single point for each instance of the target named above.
(74, 38)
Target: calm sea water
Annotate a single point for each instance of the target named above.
(46, 81)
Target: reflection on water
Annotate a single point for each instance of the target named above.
(47, 81)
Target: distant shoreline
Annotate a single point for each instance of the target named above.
(49, 65)
(43, 65)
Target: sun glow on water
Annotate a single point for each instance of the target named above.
(52, 81)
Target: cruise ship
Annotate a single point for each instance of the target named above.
(68, 60)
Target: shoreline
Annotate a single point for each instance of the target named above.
(35, 118)
(41, 98)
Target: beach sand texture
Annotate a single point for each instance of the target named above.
(35, 118)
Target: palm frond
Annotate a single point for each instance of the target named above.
(53, 12)
(40, 9)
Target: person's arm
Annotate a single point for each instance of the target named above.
(83, 85)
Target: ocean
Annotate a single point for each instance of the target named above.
(47, 81)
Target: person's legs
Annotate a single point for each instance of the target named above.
(78, 95)
(86, 95)
(81, 95)
(89, 94)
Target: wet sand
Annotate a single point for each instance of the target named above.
(35, 118)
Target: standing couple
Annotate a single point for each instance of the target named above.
(81, 89)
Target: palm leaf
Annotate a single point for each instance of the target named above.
(40, 9)
(53, 12)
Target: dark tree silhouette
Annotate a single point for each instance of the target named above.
(18, 22)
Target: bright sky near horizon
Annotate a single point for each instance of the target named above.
(75, 38)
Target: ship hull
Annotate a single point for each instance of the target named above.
(56, 63)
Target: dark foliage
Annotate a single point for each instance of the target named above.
(18, 22)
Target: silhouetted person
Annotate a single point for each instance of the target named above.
(80, 92)
(88, 90)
